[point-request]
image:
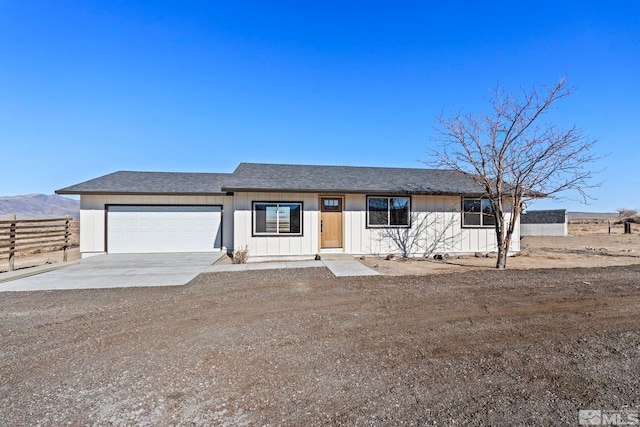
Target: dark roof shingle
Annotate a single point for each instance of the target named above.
(550, 216)
(348, 179)
(285, 178)
(129, 182)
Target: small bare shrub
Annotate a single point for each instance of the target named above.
(240, 256)
(627, 213)
(632, 219)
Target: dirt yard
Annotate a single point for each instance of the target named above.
(29, 260)
(602, 250)
(302, 348)
(46, 256)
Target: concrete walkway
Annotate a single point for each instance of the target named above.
(138, 270)
(345, 265)
(341, 265)
(262, 266)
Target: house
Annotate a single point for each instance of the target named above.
(552, 222)
(278, 210)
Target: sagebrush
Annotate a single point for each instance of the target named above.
(240, 256)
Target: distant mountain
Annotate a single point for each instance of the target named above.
(36, 206)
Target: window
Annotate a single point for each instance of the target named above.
(329, 205)
(477, 213)
(275, 219)
(388, 211)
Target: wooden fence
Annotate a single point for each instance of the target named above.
(28, 235)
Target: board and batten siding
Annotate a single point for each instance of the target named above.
(444, 219)
(441, 212)
(305, 245)
(93, 215)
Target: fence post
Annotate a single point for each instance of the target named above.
(66, 238)
(12, 242)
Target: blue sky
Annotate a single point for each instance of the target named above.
(88, 88)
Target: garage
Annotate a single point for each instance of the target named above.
(153, 229)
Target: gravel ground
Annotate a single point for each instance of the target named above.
(301, 347)
(602, 250)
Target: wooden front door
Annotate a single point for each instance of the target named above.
(330, 222)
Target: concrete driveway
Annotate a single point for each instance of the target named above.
(118, 271)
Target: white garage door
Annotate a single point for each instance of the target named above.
(151, 229)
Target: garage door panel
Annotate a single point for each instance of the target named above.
(150, 229)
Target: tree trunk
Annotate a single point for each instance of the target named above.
(502, 257)
(500, 241)
(503, 250)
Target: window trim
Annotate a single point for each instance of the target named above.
(374, 226)
(254, 233)
(462, 213)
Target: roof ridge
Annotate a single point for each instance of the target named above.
(343, 166)
(173, 172)
(283, 177)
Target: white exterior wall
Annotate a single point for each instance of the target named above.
(441, 212)
(93, 215)
(306, 245)
(558, 230)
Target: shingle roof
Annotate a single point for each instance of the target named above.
(348, 179)
(550, 216)
(287, 178)
(128, 182)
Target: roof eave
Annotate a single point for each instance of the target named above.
(138, 193)
(344, 191)
(536, 195)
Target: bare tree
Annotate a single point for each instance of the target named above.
(627, 213)
(426, 235)
(439, 235)
(514, 157)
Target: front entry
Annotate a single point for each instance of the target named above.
(330, 222)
